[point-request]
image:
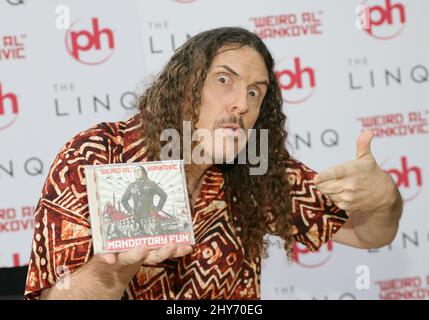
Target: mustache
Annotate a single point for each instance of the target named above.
(230, 120)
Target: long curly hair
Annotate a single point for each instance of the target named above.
(262, 201)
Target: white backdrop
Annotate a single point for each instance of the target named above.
(337, 78)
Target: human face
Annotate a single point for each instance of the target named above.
(139, 174)
(232, 96)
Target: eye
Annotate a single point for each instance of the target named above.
(223, 79)
(254, 93)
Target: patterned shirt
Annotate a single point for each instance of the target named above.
(217, 268)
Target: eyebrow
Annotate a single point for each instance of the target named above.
(225, 66)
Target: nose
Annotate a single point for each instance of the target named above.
(240, 103)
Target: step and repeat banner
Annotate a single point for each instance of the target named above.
(343, 66)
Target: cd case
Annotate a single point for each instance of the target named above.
(138, 203)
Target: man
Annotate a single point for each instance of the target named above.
(221, 79)
(142, 192)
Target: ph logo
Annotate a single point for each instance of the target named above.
(9, 108)
(88, 43)
(408, 178)
(297, 83)
(386, 19)
(307, 259)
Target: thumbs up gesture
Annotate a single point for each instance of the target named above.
(359, 185)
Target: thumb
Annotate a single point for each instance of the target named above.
(363, 145)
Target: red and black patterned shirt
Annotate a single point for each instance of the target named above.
(217, 268)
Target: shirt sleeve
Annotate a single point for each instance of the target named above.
(315, 218)
(62, 239)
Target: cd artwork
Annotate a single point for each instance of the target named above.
(139, 203)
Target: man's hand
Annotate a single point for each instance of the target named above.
(359, 185)
(144, 255)
(368, 194)
(107, 275)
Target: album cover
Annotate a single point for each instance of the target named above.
(138, 203)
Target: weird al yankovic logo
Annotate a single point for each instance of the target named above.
(12, 47)
(297, 81)
(400, 124)
(88, 42)
(288, 25)
(385, 18)
(8, 107)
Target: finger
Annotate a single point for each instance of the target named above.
(109, 258)
(335, 198)
(341, 200)
(182, 251)
(363, 144)
(133, 256)
(333, 173)
(341, 205)
(160, 254)
(331, 187)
